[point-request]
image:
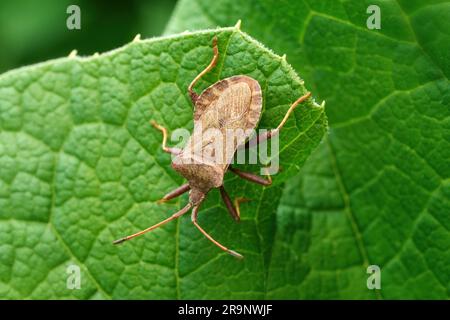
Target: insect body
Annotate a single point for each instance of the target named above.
(231, 105)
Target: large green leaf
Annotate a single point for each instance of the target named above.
(377, 192)
(81, 166)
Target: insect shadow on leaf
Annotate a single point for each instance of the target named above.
(229, 104)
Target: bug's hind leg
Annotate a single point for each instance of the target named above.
(172, 217)
(175, 193)
(291, 109)
(167, 149)
(270, 133)
(194, 217)
(252, 177)
(211, 65)
(232, 209)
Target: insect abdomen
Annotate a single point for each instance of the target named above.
(231, 99)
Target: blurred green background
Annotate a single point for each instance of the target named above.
(33, 31)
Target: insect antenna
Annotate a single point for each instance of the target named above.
(172, 217)
(194, 221)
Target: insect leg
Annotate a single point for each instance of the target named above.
(194, 221)
(232, 209)
(252, 177)
(258, 139)
(175, 193)
(291, 108)
(164, 132)
(172, 217)
(269, 134)
(237, 202)
(235, 214)
(211, 65)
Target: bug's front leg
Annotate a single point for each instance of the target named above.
(194, 96)
(167, 149)
(175, 193)
(270, 133)
(234, 210)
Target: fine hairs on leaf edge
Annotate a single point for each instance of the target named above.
(138, 41)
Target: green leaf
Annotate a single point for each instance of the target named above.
(377, 192)
(81, 166)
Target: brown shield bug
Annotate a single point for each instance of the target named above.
(230, 104)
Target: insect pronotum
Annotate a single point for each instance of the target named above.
(231, 103)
